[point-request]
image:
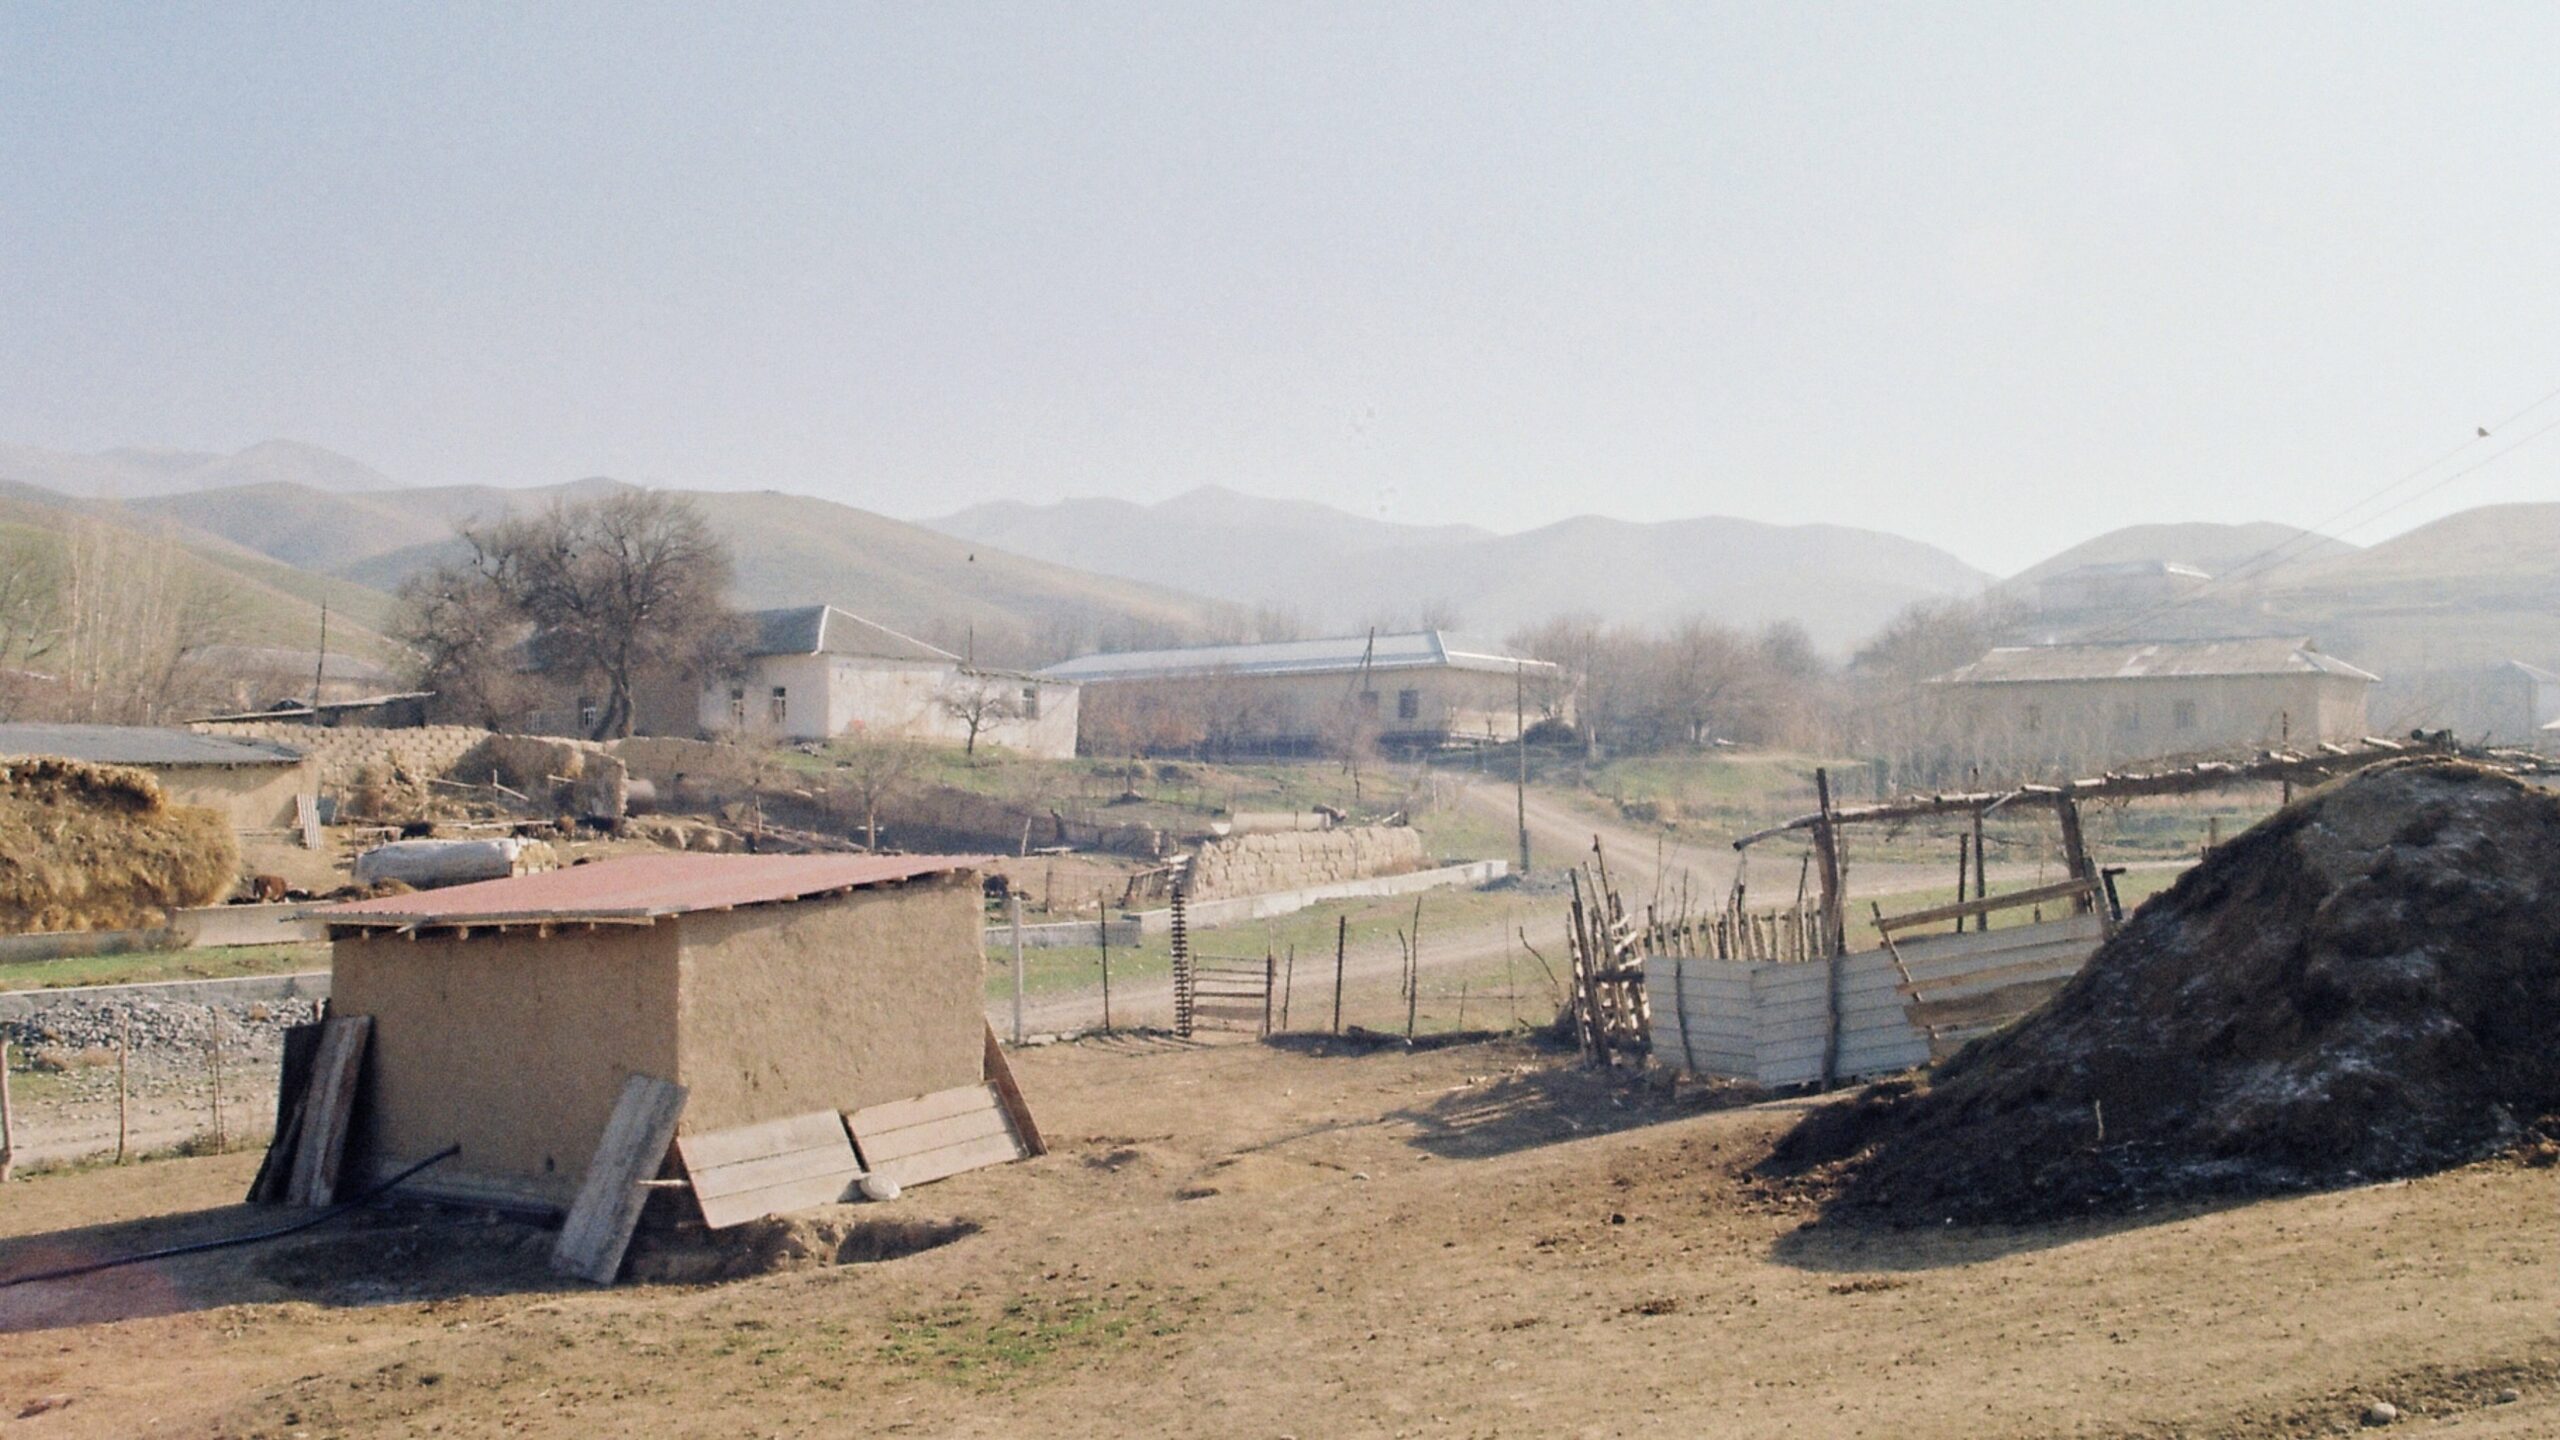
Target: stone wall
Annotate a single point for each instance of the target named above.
(338, 754)
(1290, 860)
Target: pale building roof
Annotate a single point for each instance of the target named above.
(826, 630)
(140, 745)
(2151, 659)
(1412, 650)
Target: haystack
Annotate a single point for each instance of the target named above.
(98, 847)
(2360, 987)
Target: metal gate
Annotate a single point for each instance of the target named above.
(1229, 992)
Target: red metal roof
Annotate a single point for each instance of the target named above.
(641, 888)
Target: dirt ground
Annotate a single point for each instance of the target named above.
(1249, 1240)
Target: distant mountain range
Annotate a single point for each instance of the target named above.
(1340, 572)
(124, 474)
(300, 526)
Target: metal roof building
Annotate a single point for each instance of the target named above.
(1412, 650)
(139, 745)
(508, 1016)
(826, 630)
(2152, 659)
(254, 784)
(640, 890)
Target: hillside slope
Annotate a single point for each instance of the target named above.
(790, 549)
(2214, 549)
(270, 603)
(1337, 570)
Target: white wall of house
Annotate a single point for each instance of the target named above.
(820, 697)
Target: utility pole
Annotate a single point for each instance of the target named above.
(1520, 742)
(320, 663)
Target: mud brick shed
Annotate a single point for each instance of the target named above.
(507, 1015)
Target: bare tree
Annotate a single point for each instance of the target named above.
(1139, 717)
(611, 591)
(31, 620)
(468, 644)
(978, 701)
(876, 768)
(134, 609)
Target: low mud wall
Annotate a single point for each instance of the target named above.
(1259, 864)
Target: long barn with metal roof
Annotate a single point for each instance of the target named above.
(1413, 688)
(2025, 709)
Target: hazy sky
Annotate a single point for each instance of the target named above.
(1998, 277)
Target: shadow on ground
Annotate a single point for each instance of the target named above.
(1844, 1243)
(367, 1257)
(1525, 1107)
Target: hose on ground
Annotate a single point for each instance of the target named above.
(199, 1247)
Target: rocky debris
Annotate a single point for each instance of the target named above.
(170, 1041)
(2357, 988)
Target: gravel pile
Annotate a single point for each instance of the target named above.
(169, 1041)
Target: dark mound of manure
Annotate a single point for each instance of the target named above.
(2364, 985)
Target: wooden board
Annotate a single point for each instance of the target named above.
(293, 1086)
(915, 1142)
(328, 1105)
(2006, 1003)
(607, 1209)
(752, 1171)
(1009, 1095)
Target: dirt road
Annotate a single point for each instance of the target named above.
(1248, 1241)
(1643, 864)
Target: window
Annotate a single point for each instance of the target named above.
(1408, 704)
(738, 706)
(2128, 716)
(2182, 715)
(2035, 717)
(1368, 699)
(1030, 702)
(781, 705)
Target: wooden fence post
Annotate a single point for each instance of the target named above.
(1104, 929)
(213, 1064)
(1826, 843)
(1014, 907)
(8, 1121)
(1341, 943)
(124, 1091)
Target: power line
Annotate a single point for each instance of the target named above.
(2294, 547)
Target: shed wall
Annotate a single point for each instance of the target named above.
(514, 1045)
(831, 1004)
(251, 797)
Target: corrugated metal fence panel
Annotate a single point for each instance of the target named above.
(1767, 1022)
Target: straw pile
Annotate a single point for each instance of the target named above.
(98, 847)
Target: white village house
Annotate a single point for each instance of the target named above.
(814, 672)
(1418, 689)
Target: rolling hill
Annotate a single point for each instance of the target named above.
(131, 473)
(790, 549)
(2214, 549)
(274, 604)
(1340, 571)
